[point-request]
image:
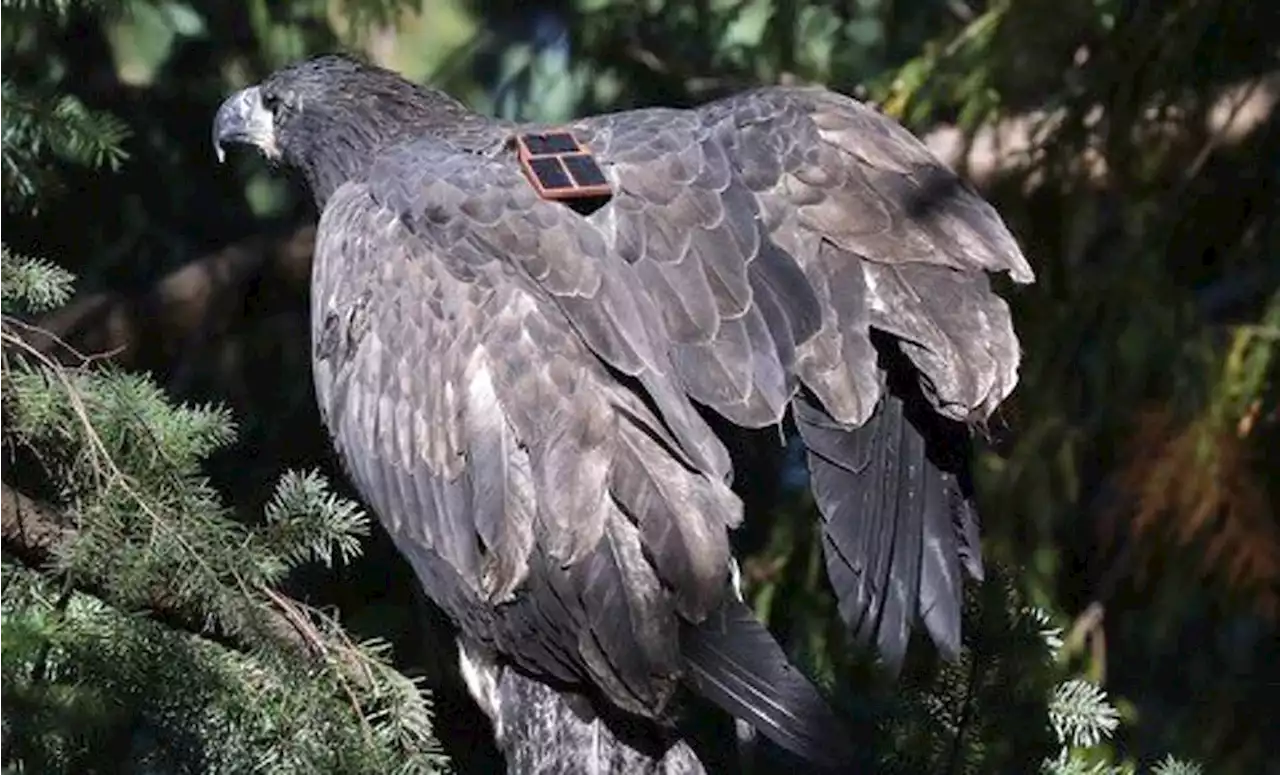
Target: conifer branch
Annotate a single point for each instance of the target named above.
(35, 534)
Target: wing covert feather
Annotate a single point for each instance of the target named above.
(825, 167)
(733, 307)
(560, 257)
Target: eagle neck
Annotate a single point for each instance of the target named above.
(344, 146)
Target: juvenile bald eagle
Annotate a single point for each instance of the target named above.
(521, 390)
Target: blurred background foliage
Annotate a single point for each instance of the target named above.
(1132, 145)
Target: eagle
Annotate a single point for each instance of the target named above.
(530, 391)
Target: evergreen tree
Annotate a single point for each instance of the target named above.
(1008, 704)
(143, 630)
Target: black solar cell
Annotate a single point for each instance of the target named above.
(551, 173)
(584, 169)
(556, 142)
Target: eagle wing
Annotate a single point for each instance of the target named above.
(803, 251)
(508, 409)
(802, 217)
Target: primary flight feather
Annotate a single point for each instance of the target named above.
(519, 389)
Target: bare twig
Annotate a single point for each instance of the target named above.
(307, 630)
(1089, 621)
(1009, 144)
(1223, 119)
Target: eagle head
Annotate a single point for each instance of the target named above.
(273, 115)
(327, 117)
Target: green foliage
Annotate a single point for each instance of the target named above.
(41, 126)
(152, 534)
(1172, 766)
(1080, 714)
(36, 127)
(986, 712)
(1007, 705)
(142, 628)
(86, 683)
(130, 463)
(1082, 717)
(58, 10)
(308, 523)
(84, 677)
(32, 284)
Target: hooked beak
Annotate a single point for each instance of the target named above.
(242, 118)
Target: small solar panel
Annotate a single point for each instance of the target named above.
(584, 169)
(561, 169)
(555, 142)
(550, 173)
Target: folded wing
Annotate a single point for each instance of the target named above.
(793, 242)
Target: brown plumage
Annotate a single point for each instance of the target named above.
(517, 389)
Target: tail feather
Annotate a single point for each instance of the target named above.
(872, 531)
(732, 660)
(899, 522)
